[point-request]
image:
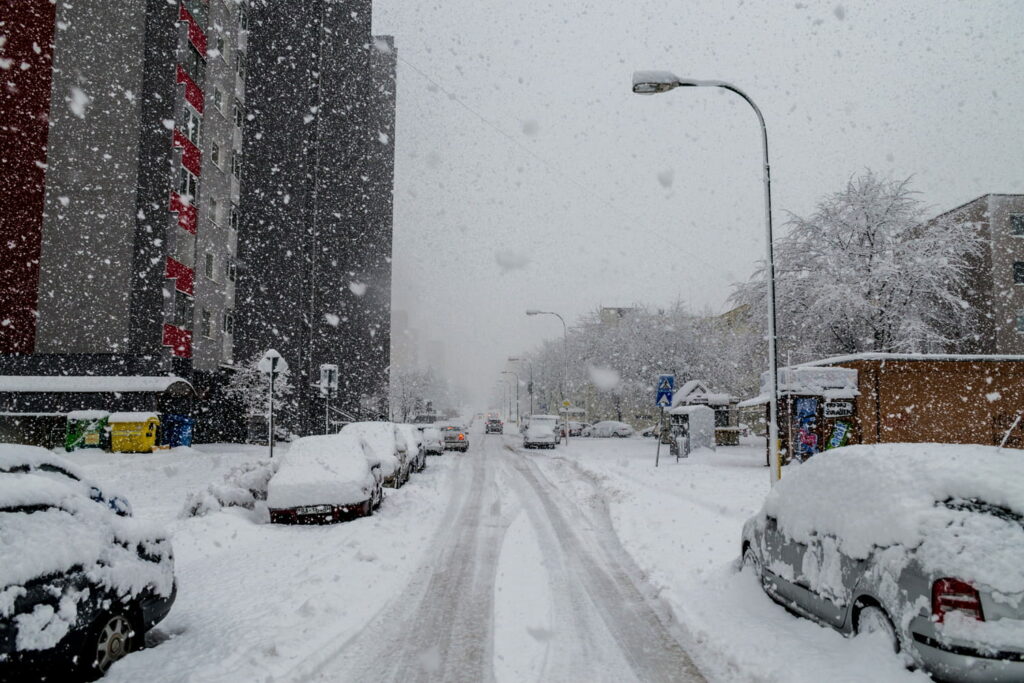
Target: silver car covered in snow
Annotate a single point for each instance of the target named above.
(922, 542)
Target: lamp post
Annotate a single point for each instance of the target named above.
(509, 372)
(654, 82)
(565, 369)
(529, 387)
(507, 395)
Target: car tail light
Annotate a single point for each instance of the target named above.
(954, 595)
(462, 437)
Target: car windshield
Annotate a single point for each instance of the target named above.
(980, 506)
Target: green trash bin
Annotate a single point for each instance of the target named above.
(87, 429)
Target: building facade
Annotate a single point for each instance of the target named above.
(996, 278)
(121, 162)
(315, 237)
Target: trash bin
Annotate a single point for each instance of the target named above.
(86, 429)
(177, 430)
(133, 432)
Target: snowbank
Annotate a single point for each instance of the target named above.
(913, 496)
(243, 485)
(331, 469)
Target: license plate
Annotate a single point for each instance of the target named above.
(314, 510)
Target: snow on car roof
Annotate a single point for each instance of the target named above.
(13, 455)
(325, 469)
(75, 531)
(895, 496)
(381, 438)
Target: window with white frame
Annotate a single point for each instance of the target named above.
(215, 154)
(210, 266)
(236, 164)
(193, 124)
(188, 185)
(234, 217)
(228, 322)
(214, 210)
(205, 326)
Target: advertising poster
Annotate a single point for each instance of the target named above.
(806, 423)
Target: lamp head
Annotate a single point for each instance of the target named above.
(533, 311)
(654, 82)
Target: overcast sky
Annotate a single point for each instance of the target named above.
(528, 175)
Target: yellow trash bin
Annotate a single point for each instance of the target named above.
(133, 432)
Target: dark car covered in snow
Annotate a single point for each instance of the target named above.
(79, 584)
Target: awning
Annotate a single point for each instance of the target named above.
(94, 384)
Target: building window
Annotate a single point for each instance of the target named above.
(1020, 323)
(240, 64)
(229, 270)
(239, 113)
(228, 322)
(215, 154)
(193, 124)
(234, 217)
(221, 47)
(236, 164)
(194, 63)
(182, 310)
(1018, 272)
(205, 327)
(243, 19)
(210, 267)
(214, 210)
(217, 97)
(188, 185)
(1017, 224)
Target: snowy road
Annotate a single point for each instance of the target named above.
(522, 583)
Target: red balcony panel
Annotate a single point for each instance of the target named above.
(195, 33)
(179, 339)
(191, 156)
(193, 93)
(184, 277)
(188, 217)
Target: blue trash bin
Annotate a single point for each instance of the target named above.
(178, 430)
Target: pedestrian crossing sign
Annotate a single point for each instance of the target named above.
(666, 385)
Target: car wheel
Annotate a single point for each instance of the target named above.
(872, 619)
(367, 507)
(750, 559)
(111, 638)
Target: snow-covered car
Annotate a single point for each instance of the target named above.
(433, 442)
(456, 438)
(921, 542)
(388, 444)
(576, 428)
(541, 432)
(324, 479)
(414, 447)
(20, 458)
(608, 428)
(494, 426)
(79, 584)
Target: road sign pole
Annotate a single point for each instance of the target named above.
(271, 420)
(661, 427)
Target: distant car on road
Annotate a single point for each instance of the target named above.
(608, 428)
(456, 438)
(80, 584)
(923, 543)
(324, 479)
(389, 445)
(433, 442)
(494, 426)
(541, 432)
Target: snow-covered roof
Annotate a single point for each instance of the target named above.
(960, 357)
(696, 391)
(690, 410)
(809, 380)
(132, 417)
(90, 383)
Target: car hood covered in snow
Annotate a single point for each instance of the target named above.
(958, 508)
(332, 469)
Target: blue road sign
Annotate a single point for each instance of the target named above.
(666, 385)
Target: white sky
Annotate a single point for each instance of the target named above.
(569, 181)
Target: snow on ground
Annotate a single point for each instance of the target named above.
(259, 601)
(681, 523)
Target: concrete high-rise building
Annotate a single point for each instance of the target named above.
(315, 238)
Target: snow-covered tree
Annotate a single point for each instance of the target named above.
(867, 272)
(251, 387)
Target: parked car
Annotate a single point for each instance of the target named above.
(494, 426)
(414, 444)
(921, 542)
(324, 479)
(433, 442)
(388, 445)
(541, 432)
(79, 584)
(608, 428)
(455, 438)
(576, 428)
(20, 459)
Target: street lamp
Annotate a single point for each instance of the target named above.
(507, 395)
(529, 388)
(654, 82)
(509, 372)
(565, 370)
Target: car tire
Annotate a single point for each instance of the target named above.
(367, 510)
(750, 559)
(110, 638)
(873, 619)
